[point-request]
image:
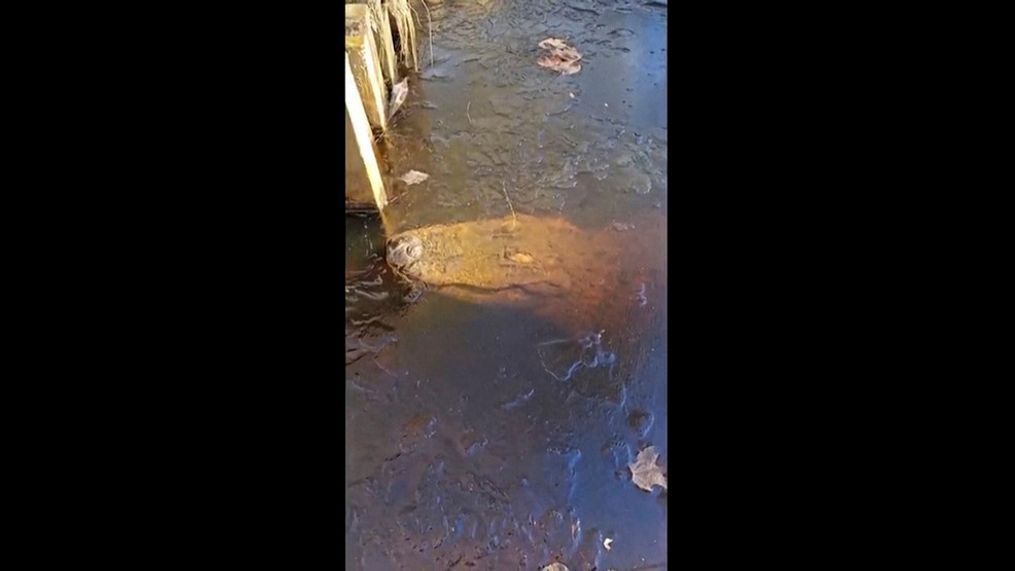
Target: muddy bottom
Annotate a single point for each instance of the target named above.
(480, 434)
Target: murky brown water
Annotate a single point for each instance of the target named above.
(481, 434)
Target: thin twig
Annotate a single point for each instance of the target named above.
(467, 112)
(509, 203)
(429, 24)
(395, 198)
(384, 369)
(417, 19)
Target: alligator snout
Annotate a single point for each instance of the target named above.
(403, 251)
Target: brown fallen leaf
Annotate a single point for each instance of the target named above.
(559, 56)
(644, 471)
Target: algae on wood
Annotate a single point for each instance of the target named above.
(366, 67)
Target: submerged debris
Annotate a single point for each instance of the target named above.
(564, 358)
(414, 177)
(645, 473)
(639, 295)
(580, 7)
(521, 399)
(559, 56)
(356, 347)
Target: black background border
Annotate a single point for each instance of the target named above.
(792, 311)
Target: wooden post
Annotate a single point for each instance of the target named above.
(366, 69)
(362, 136)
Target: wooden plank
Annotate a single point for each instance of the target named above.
(359, 195)
(362, 136)
(366, 68)
(384, 41)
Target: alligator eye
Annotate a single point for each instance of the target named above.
(404, 250)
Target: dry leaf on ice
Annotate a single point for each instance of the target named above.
(559, 56)
(413, 177)
(555, 567)
(549, 43)
(644, 471)
(399, 91)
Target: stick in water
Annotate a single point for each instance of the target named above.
(515, 218)
(429, 26)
